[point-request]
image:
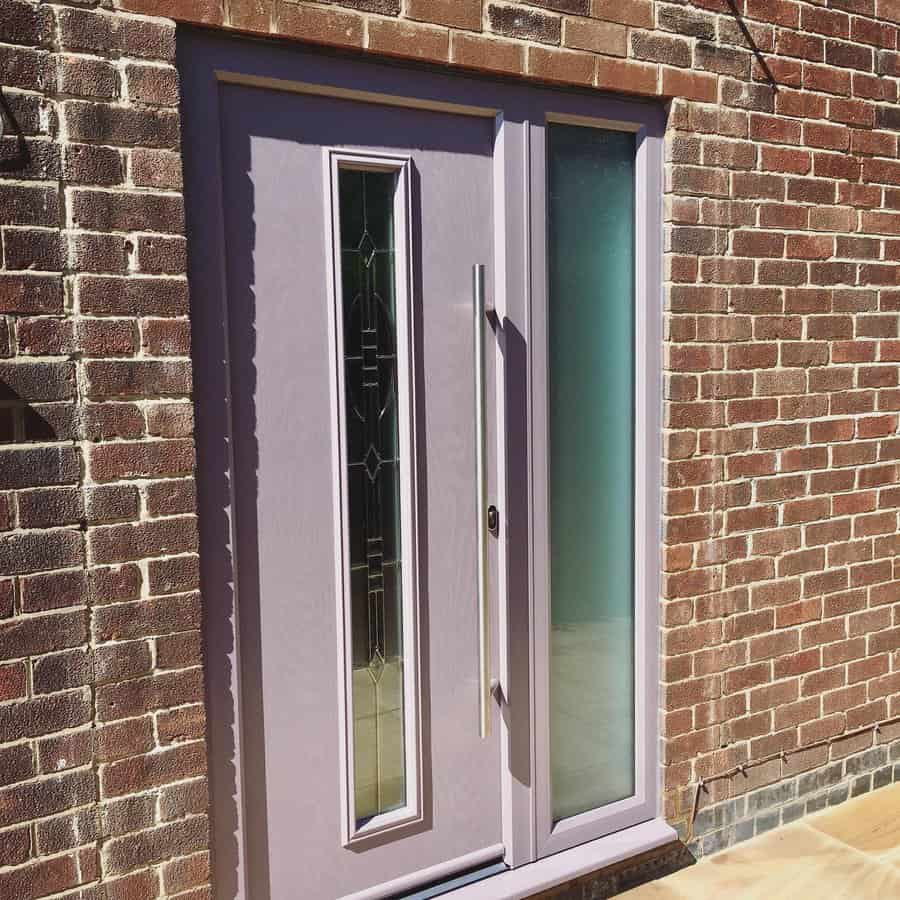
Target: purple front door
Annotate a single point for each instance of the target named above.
(336, 417)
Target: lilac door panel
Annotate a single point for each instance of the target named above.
(278, 491)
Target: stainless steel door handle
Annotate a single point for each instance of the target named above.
(481, 509)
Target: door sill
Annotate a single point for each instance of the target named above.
(566, 865)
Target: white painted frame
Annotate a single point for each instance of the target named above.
(411, 812)
(644, 804)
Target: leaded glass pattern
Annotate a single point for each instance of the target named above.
(373, 487)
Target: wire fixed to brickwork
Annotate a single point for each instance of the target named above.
(741, 768)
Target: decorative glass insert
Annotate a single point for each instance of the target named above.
(368, 262)
(592, 400)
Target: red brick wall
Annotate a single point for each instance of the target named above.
(102, 760)
(780, 604)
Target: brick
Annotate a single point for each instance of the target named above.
(98, 253)
(154, 617)
(174, 575)
(166, 337)
(385, 7)
(102, 123)
(43, 715)
(32, 248)
(177, 726)
(659, 48)
(45, 336)
(30, 294)
(455, 13)
(691, 85)
(152, 84)
(159, 255)
(85, 30)
(100, 210)
(25, 24)
(35, 551)
(523, 23)
(408, 39)
(188, 872)
(147, 458)
(67, 831)
(120, 543)
(141, 773)
(87, 77)
(626, 12)
(103, 421)
(173, 420)
(31, 381)
(15, 846)
(29, 467)
(600, 37)
(48, 507)
(91, 165)
(137, 378)
(44, 877)
(133, 296)
(489, 55)
(179, 651)
(103, 338)
(119, 740)
(626, 76)
(179, 800)
(155, 845)
(567, 66)
(13, 681)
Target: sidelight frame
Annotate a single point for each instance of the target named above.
(334, 161)
(646, 123)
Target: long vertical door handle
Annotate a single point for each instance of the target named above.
(481, 510)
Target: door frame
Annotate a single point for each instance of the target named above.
(520, 112)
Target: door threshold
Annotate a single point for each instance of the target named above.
(447, 887)
(550, 872)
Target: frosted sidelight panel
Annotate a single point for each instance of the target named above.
(373, 486)
(592, 400)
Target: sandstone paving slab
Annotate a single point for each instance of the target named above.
(850, 852)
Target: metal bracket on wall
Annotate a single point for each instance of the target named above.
(20, 158)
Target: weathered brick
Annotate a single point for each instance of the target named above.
(122, 661)
(35, 551)
(140, 773)
(91, 165)
(152, 84)
(137, 378)
(159, 255)
(133, 296)
(43, 715)
(30, 294)
(179, 651)
(103, 33)
(146, 458)
(153, 846)
(87, 77)
(135, 620)
(99, 210)
(521, 22)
